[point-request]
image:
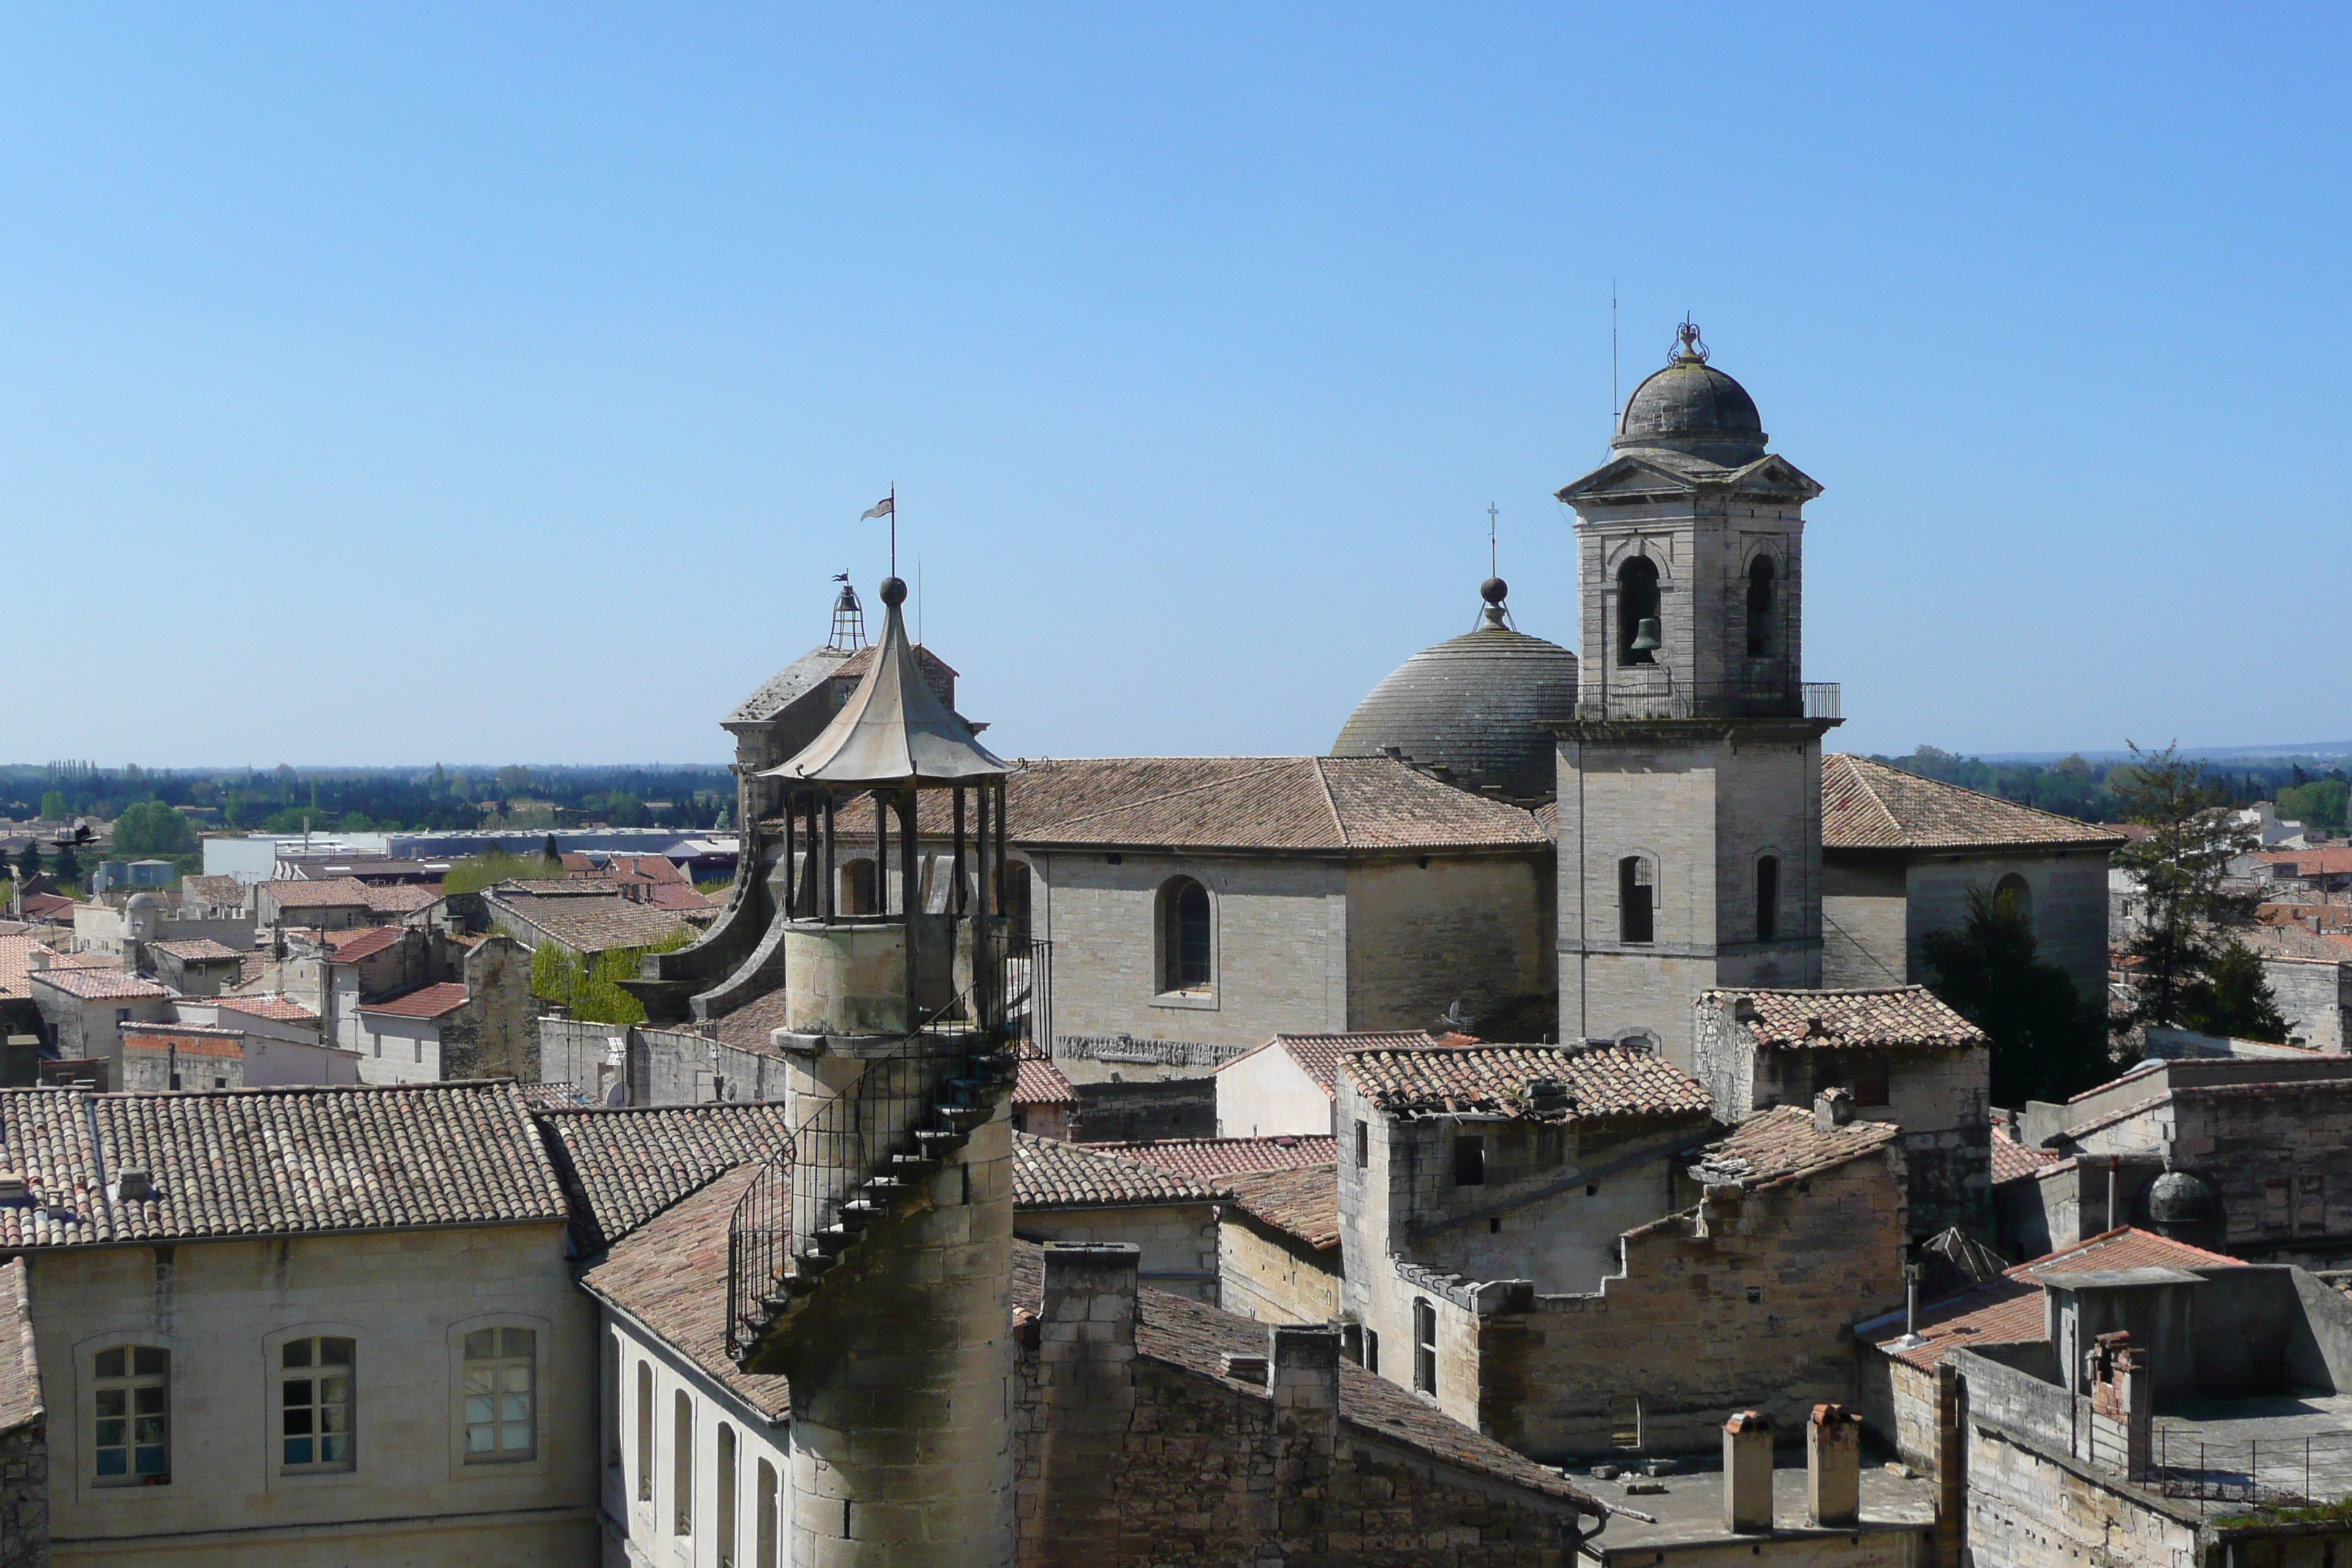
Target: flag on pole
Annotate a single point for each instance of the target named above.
(885, 507)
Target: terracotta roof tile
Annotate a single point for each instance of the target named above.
(97, 984)
(425, 1002)
(1493, 1080)
(218, 891)
(401, 898)
(187, 1039)
(746, 1028)
(2011, 1158)
(1784, 1143)
(45, 1133)
(1895, 1015)
(1319, 1055)
(2334, 861)
(1042, 1083)
(1303, 1202)
(1869, 805)
(1048, 1174)
(281, 1162)
(54, 907)
(1195, 1338)
(1335, 803)
(671, 1276)
(628, 1164)
(203, 950)
(551, 1096)
(324, 892)
(364, 943)
(1207, 1159)
(276, 1007)
(594, 924)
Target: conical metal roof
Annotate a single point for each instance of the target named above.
(894, 730)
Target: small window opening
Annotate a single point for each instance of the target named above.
(502, 1414)
(1371, 1351)
(1625, 1421)
(1637, 601)
(1636, 900)
(1424, 1347)
(132, 1439)
(858, 889)
(1494, 1227)
(764, 1532)
(726, 1495)
(1767, 897)
(1759, 608)
(1363, 1145)
(314, 1412)
(1469, 1162)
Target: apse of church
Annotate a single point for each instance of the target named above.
(1689, 780)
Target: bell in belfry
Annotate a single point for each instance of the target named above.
(1645, 636)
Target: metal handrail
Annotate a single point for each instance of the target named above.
(1653, 692)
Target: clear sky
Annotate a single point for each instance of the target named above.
(494, 383)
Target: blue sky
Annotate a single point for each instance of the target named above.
(494, 383)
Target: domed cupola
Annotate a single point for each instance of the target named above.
(1477, 706)
(1691, 406)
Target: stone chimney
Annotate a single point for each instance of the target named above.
(2122, 1404)
(1832, 1468)
(1748, 1473)
(1086, 1398)
(1305, 1375)
(1832, 1108)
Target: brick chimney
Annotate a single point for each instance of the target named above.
(1832, 1468)
(1748, 1473)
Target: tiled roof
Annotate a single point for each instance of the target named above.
(1179, 1332)
(20, 1369)
(326, 892)
(1784, 1143)
(629, 1164)
(670, 896)
(223, 891)
(2334, 861)
(187, 1039)
(1319, 1055)
(747, 1028)
(202, 949)
(1206, 1159)
(788, 685)
(551, 1096)
(281, 1162)
(1042, 1083)
(2010, 1310)
(402, 898)
(15, 959)
(591, 924)
(46, 1134)
(276, 1007)
(1869, 805)
(2011, 1158)
(671, 1276)
(1492, 1080)
(1048, 1174)
(2293, 942)
(1256, 803)
(1895, 1015)
(1304, 1203)
(50, 906)
(365, 944)
(425, 1002)
(97, 984)
(85, 961)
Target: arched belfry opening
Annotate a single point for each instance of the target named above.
(1638, 635)
(1762, 606)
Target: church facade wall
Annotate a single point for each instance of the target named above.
(1865, 921)
(1460, 929)
(2070, 907)
(407, 1299)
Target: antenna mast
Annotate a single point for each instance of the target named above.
(1493, 570)
(1613, 409)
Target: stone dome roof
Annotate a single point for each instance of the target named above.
(143, 901)
(1477, 705)
(1691, 406)
(2176, 1197)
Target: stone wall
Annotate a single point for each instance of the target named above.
(2315, 997)
(1428, 932)
(151, 1062)
(1117, 1112)
(1177, 1242)
(1745, 1303)
(1941, 1100)
(24, 1495)
(641, 1504)
(1126, 1461)
(1898, 1402)
(1865, 929)
(1272, 1276)
(659, 1067)
(494, 1034)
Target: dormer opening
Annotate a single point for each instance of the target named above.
(1637, 611)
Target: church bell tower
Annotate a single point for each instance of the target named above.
(1690, 812)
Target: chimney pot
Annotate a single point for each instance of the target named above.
(1748, 1473)
(1832, 1468)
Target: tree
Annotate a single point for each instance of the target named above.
(66, 869)
(2319, 804)
(152, 828)
(2047, 1042)
(551, 853)
(53, 805)
(2233, 999)
(2182, 866)
(28, 860)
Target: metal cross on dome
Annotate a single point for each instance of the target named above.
(1688, 344)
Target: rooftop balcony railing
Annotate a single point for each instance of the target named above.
(1654, 692)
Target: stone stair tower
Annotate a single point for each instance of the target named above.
(870, 1261)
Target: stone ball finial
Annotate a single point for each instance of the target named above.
(894, 592)
(1494, 590)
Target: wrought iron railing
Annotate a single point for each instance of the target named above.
(1654, 692)
(2253, 1474)
(847, 1160)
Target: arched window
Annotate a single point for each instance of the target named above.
(645, 1432)
(1760, 607)
(858, 889)
(764, 1529)
(1184, 945)
(1767, 897)
(2013, 892)
(725, 1520)
(681, 1459)
(1637, 897)
(1637, 601)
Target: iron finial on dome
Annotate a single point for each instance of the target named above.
(1495, 591)
(1688, 344)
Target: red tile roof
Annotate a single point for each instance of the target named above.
(1042, 1083)
(325, 892)
(2011, 1158)
(630, 1164)
(365, 943)
(185, 1038)
(97, 984)
(1894, 1016)
(203, 950)
(2334, 861)
(1048, 1174)
(1601, 1081)
(1318, 1054)
(1207, 1159)
(1869, 805)
(1302, 1202)
(2010, 1310)
(1785, 1143)
(425, 1002)
(50, 906)
(276, 1007)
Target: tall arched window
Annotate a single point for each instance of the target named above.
(1767, 897)
(725, 1522)
(764, 1528)
(2014, 891)
(681, 1479)
(1637, 895)
(1760, 607)
(1184, 945)
(1637, 601)
(645, 1432)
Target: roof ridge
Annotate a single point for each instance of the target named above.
(1332, 803)
(1894, 826)
(1274, 765)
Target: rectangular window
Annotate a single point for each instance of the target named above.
(501, 1402)
(1363, 1145)
(1424, 1347)
(1625, 1421)
(1469, 1162)
(131, 1436)
(1767, 898)
(681, 1479)
(1371, 1351)
(1636, 900)
(314, 1404)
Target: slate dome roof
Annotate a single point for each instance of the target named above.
(1691, 406)
(2176, 1197)
(1476, 704)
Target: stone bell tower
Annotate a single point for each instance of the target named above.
(1689, 814)
(870, 1262)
